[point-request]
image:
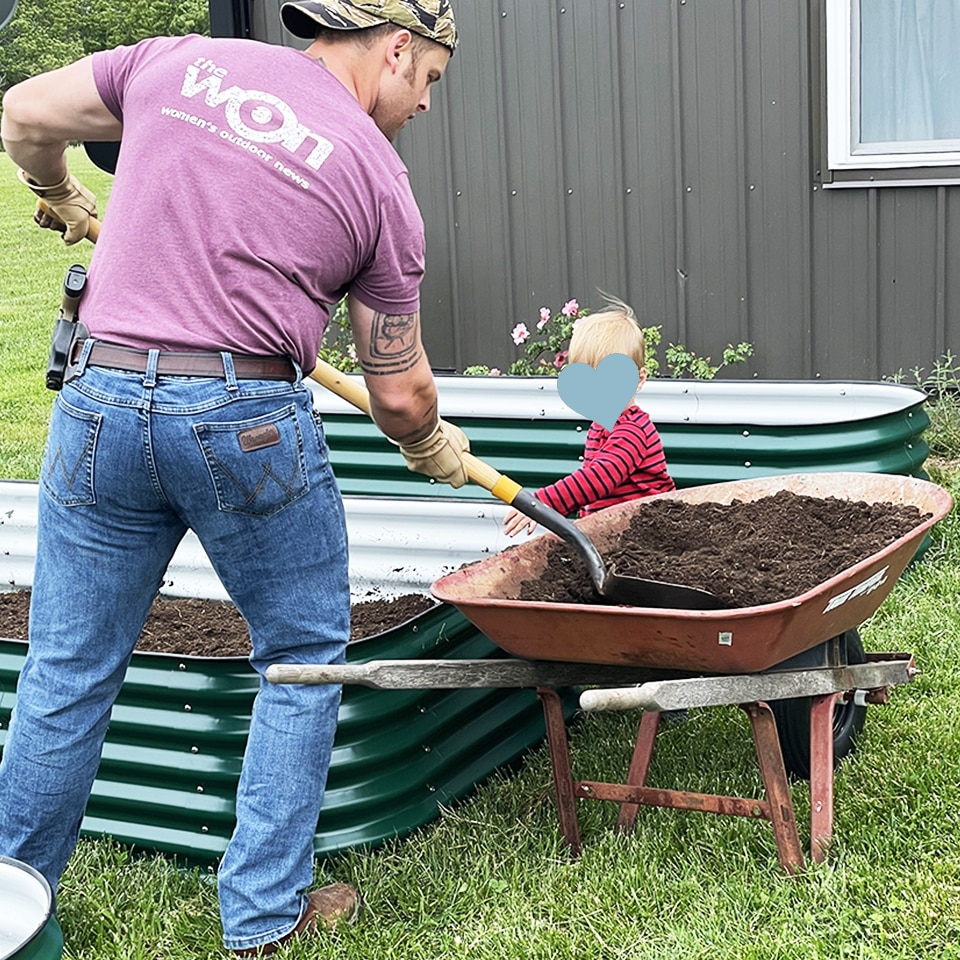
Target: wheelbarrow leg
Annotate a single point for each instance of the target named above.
(776, 785)
(639, 767)
(560, 762)
(821, 774)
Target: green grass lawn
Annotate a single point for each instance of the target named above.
(490, 879)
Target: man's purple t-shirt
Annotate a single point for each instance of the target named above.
(252, 191)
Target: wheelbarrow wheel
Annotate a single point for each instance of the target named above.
(793, 719)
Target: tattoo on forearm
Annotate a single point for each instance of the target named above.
(394, 343)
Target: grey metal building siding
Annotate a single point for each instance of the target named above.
(666, 151)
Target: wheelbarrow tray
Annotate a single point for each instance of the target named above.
(737, 640)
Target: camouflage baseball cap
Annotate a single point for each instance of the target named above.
(430, 18)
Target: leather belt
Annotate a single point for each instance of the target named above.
(186, 364)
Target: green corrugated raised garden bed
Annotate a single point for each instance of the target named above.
(174, 747)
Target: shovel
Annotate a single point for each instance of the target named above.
(615, 589)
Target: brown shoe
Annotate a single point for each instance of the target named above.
(336, 903)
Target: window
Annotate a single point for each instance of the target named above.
(892, 91)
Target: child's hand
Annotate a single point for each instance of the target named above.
(515, 522)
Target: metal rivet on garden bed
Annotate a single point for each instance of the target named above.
(187, 707)
(194, 749)
(182, 666)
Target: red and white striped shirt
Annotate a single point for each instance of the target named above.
(620, 464)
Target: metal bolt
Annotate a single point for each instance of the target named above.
(187, 707)
(199, 789)
(183, 666)
(194, 749)
(204, 829)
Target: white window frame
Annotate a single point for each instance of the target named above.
(845, 151)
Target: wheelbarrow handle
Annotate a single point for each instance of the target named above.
(350, 389)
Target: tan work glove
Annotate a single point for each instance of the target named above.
(69, 200)
(439, 455)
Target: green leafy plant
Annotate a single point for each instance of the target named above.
(684, 363)
(337, 347)
(942, 386)
(545, 349)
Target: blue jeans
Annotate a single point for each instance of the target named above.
(132, 461)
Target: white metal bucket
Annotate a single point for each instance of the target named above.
(28, 928)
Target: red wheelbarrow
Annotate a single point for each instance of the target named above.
(798, 661)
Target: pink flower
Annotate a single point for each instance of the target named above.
(544, 318)
(560, 359)
(570, 308)
(575, 323)
(519, 333)
(495, 372)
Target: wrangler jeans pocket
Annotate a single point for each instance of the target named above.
(67, 471)
(257, 465)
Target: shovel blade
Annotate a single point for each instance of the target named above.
(637, 592)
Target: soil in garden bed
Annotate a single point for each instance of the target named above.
(747, 552)
(209, 628)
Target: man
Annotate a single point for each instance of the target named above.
(255, 186)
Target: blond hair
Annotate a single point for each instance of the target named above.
(614, 329)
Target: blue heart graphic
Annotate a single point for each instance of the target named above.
(603, 393)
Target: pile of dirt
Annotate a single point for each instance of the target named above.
(746, 552)
(208, 628)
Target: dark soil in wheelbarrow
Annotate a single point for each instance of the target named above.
(208, 628)
(745, 553)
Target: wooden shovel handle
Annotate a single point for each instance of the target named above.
(355, 393)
